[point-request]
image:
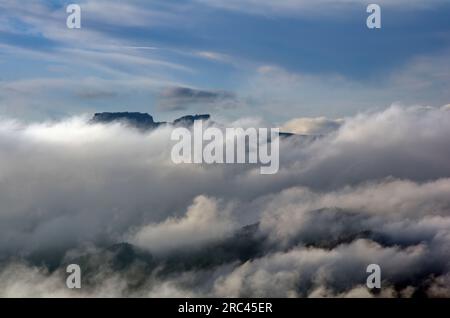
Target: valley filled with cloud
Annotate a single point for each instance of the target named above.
(373, 188)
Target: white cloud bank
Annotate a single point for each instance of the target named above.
(311, 126)
(373, 190)
(203, 223)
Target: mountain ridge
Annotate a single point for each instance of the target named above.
(144, 121)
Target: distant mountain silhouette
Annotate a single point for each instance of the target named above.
(143, 120)
(189, 119)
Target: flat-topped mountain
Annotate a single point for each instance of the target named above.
(189, 119)
(143, 120)
(138, 120)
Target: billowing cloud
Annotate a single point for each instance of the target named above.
(311, 126)
(202, 224)
(373, 190)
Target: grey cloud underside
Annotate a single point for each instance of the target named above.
(375, 190)
(181, 98)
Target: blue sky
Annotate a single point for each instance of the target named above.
(275, 59)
